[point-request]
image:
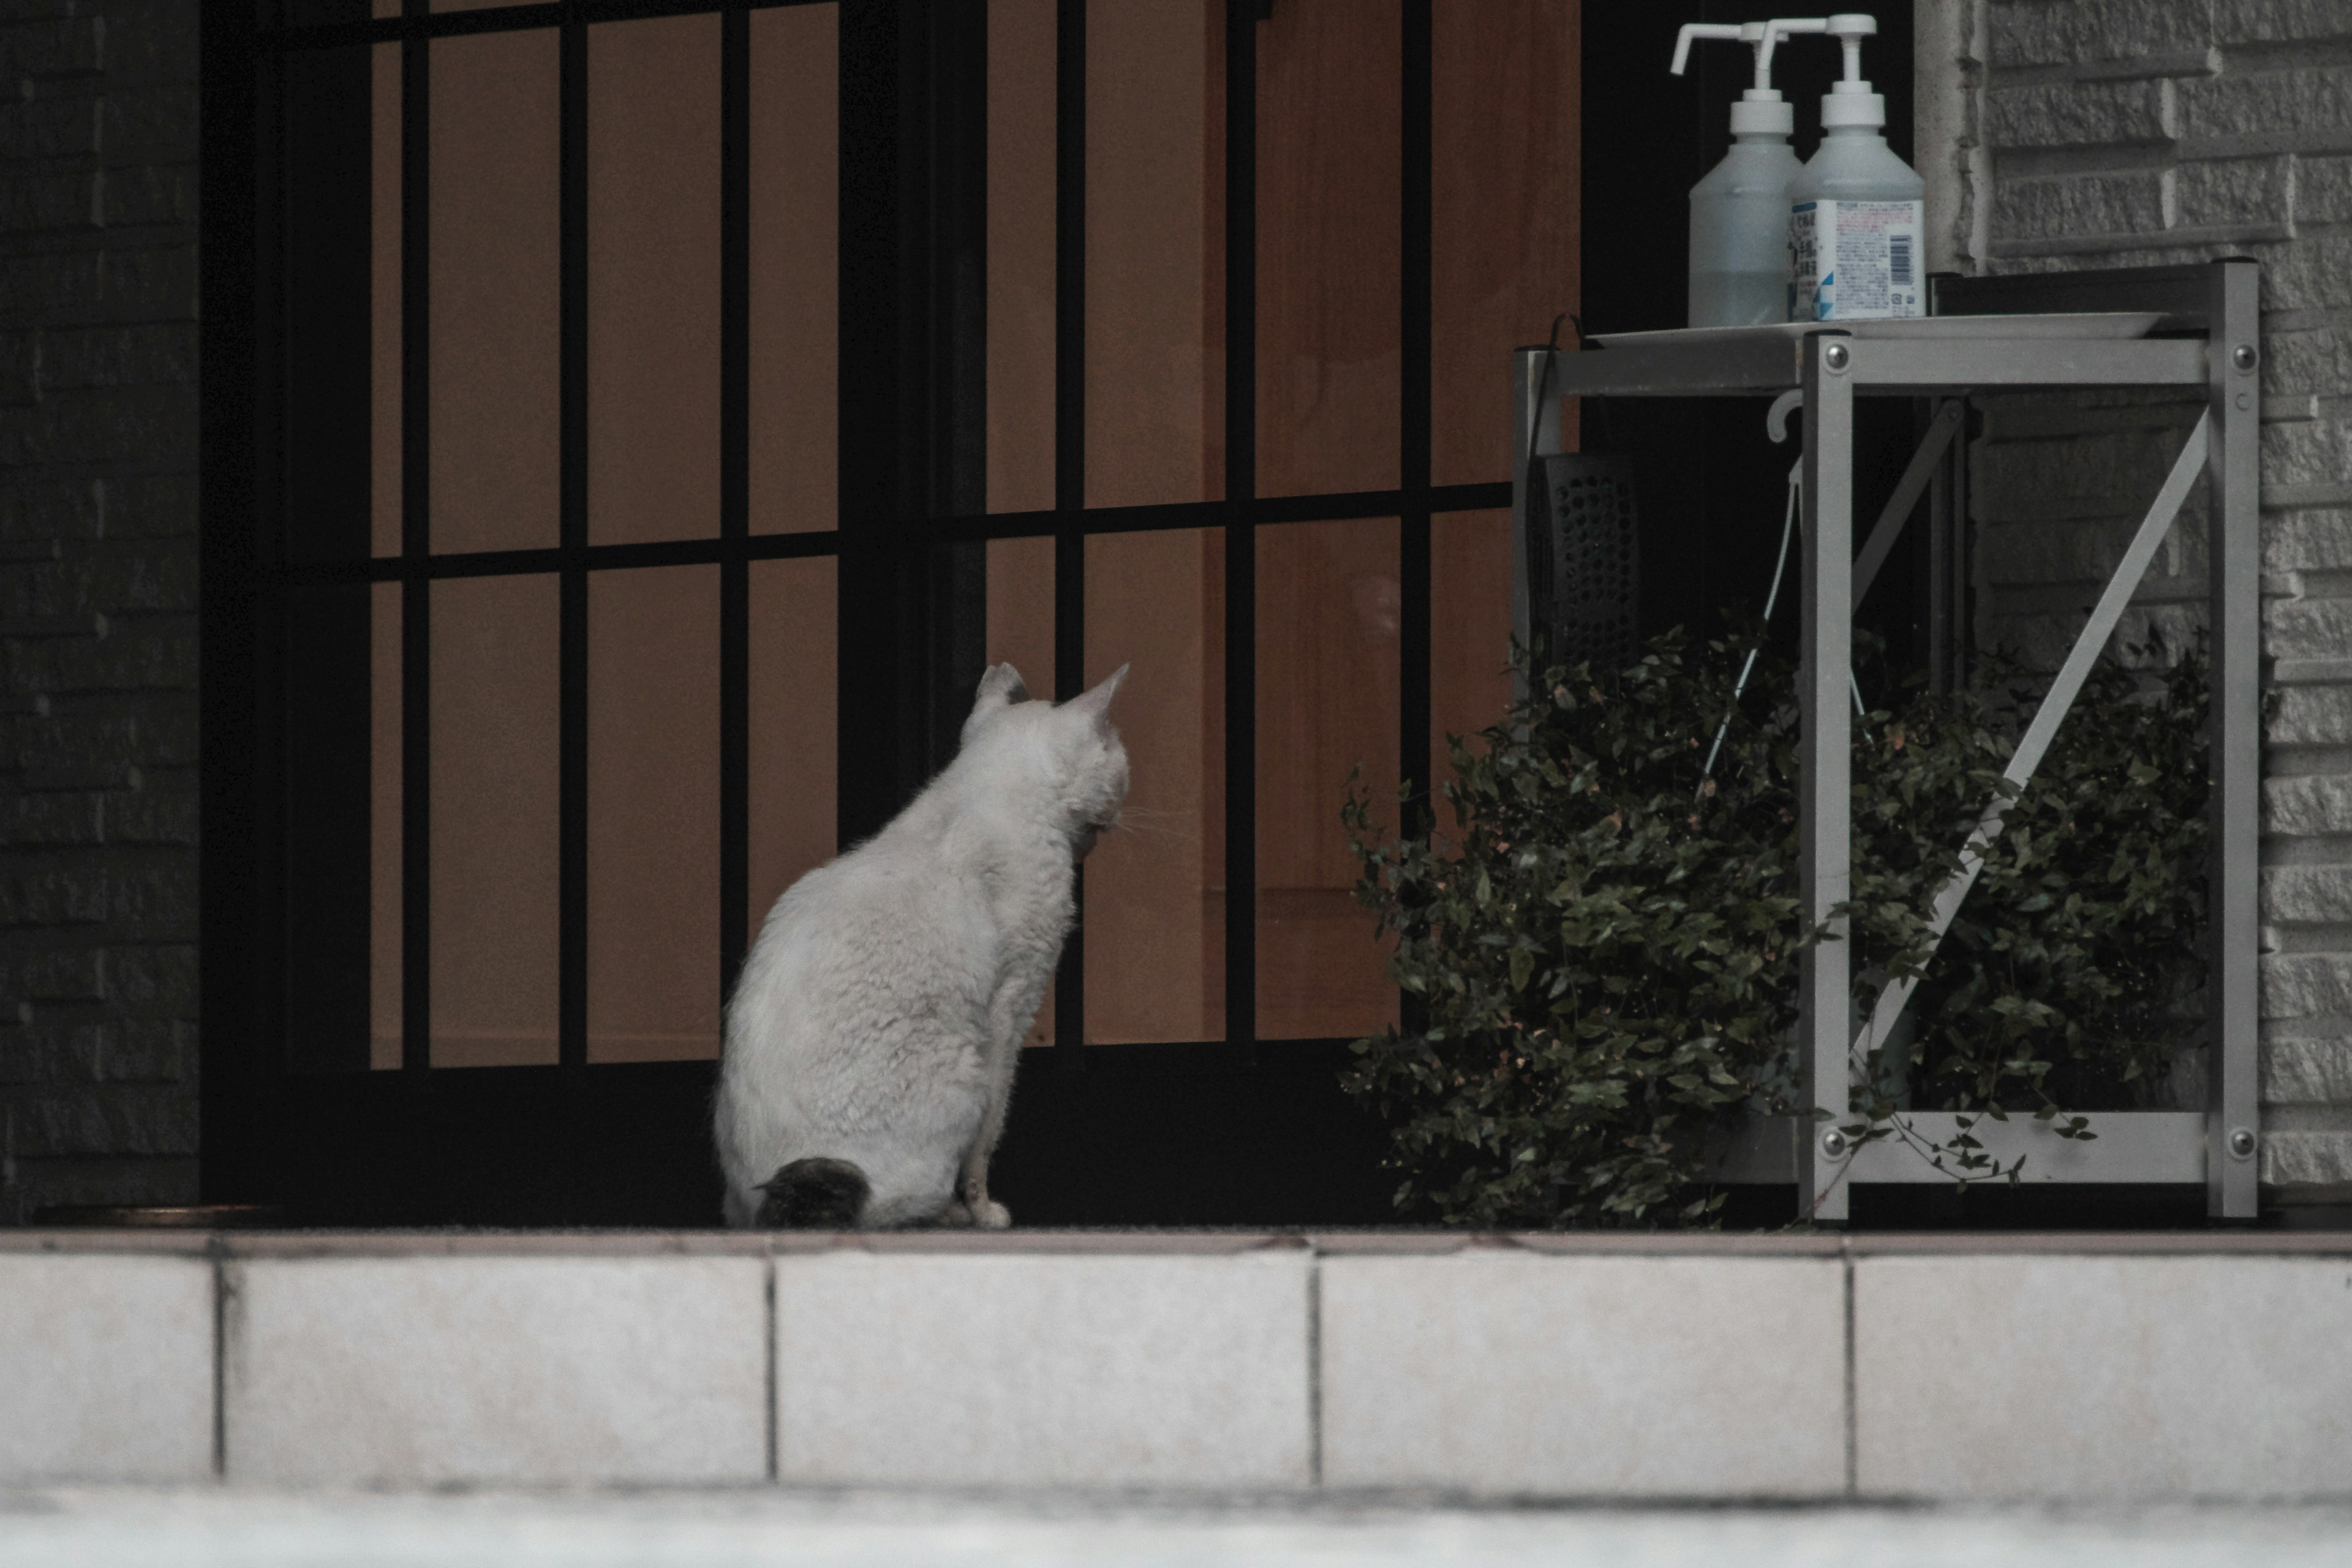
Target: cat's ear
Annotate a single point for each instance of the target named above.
(1000, 688)
(1000, 685)
(1094, 703)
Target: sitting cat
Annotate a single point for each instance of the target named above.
(871, 1041)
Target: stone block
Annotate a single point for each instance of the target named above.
(2095, 32)
(149, 42)
(2322, 189)
(152, 814)
(146, 122)
(2320, 360)
(148, 193)
(139, 1120)
(2071, 205)
(51, 895)
(2308, 895)
(2079, 114)
(106, 1369)
(2314, 273)
(2306, 451)
(2280, 21)
(2231, 193)
(59, 47)
(2295, 104)
(2097, 1378)
(39, 129)
(138, 355)
(2307, 629)
(60, 201)
(2312, 716)
(1613, 1377)
(1072, 1370)
(59, 975)
(2098, 477)
(426, 1370)
(2313, 1071)
(48, 820)
(2308, 1158)
(158, 979)
(2307, 806)
(142, 653)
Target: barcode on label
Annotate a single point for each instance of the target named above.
(1898, 260)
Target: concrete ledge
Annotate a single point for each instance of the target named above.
(106, 1368)
(1185, 1372)
(1628, 1377)
(2103, 1378)
(2070, 1367)
(417, 1371)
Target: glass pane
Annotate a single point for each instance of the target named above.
(494, 295)
(1020, 270)
(384, 301)
(329, 863)
(385, 804)
(1328, 134)
(1469, 630)
(1152, 269)
(1328, 607)
(795, 214)
(794, 696)
(1506, 214)
(1154, 889)
(653, 279)
(653, 814)
(494, 820)
(1021, 610)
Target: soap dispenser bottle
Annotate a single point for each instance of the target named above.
(1739, 212)
(1854, 211)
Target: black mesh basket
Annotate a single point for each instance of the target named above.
(1583, 561)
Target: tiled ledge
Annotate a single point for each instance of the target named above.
(1718, 1367)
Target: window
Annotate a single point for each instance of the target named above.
(654, 417)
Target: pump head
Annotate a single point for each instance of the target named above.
(1850, 101)
(1760, 109)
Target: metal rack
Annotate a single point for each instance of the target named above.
(1830, 366)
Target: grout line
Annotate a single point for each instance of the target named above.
(774, 1464)
(1853, 1458)
(1315, 1371)
(220, 1360)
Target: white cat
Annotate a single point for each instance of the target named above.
(871, 1041)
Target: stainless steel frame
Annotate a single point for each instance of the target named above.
(2219, 301)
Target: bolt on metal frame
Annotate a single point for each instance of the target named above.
(1831, 367)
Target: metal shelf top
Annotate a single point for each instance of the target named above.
(1770, 360)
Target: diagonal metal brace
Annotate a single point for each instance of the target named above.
(1922, 468)
(1896, 995)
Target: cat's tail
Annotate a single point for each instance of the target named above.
(813, 1194)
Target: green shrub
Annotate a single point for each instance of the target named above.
(1600, 956)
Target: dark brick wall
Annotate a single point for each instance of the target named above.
(97, 603)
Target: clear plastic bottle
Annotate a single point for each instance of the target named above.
(1855, 210)
(1739, 211)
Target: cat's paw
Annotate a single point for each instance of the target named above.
(989, 1215)
(955, 1216)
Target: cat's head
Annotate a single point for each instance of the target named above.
(1070, 753)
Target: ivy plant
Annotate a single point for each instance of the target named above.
(1599, 953)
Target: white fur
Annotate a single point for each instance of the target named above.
(881, 1008)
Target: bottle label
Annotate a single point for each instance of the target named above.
(1854, 261)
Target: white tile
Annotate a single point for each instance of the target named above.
(426, 1369)
(1043, 1371)
(106, 1368)
(1701, 1377)
(2076, 1377)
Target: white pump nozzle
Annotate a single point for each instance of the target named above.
(1850, 101)
(1761, 37)
(1760, 110)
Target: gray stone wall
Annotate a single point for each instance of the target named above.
(2076, 133)
(97, 600)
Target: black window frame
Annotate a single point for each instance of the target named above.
(1238, 1130)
